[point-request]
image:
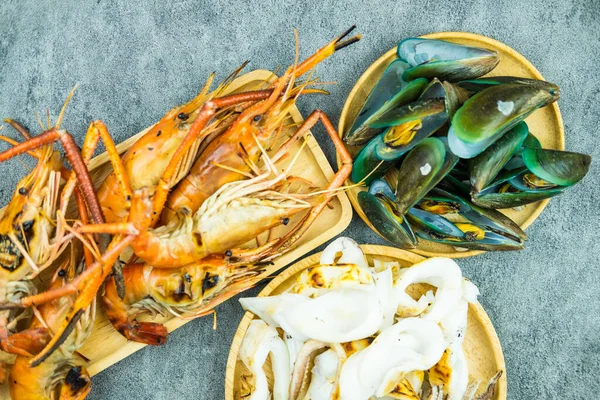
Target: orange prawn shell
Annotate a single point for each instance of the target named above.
(144, 163)
(24, 216)
(36, 383)
(235, 149)
(176, 287)
(147, 159)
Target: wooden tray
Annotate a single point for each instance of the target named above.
(481, 345)
(546, 124)
(106, 346)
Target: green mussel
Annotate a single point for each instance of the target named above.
(390, 92)
(422, 169)
(544, 174)
(486, 166)
(382, 214)
(486, 116)
(405, 127)
(446, 61)
(446, 218)
(477, 85)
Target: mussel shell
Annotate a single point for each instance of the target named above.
(413, 122)
(395, 229)
(559, 167)
(427, 225)
(477, 85)
(388, 86)
(422, 168)
(492, 219)
(447, 61)
(381, 187)
(520, 194)
(454, 96)
(362, 130)
(495, 200)
(484, 168)
(532, 142)
(367, 165)
(485, 117)
(517, 161)
(501, 233)
(417, 110)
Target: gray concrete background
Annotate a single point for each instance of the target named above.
(135, 60)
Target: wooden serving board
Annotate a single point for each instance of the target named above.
(481, 345)
(106, 346)
(546, 124)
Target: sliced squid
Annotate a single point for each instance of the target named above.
(344, 250)
(350, 308)
(337, 316)
(342, 303)
(444, 274)
(260, 341)
(412, 344)
(266, 308)
(452, 369)
(319, 280)
(293, 345)
(384, 283)
(323, 376)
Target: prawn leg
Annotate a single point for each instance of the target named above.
(25, 343)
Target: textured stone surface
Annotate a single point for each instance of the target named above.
(135, 60)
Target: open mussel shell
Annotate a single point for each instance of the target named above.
(367, 166)
(446, 218)
(477, 85)
(381, 214)
(504, 192)
(381, 187)
(388, 86)
(486, 166)
(422, 169)
(545, 174)
(406, 126)
(530, 142)
(380, 101)
(486, 116)
(562, 168)
(454, 96)
(413, 115)
(446, 61)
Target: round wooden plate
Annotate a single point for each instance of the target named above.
(481, 345)
(546, 124)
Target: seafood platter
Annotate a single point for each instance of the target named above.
(102, 256)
